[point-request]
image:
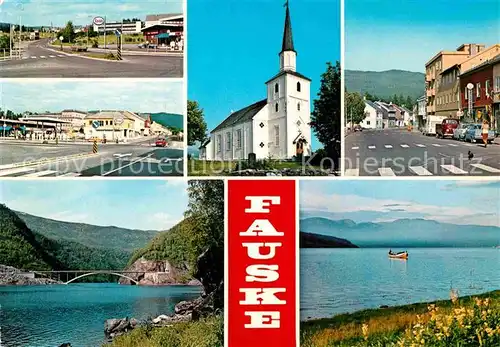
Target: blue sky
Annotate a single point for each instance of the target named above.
(385, 34)
(132, 204)
(457, 202)
(233, 49)
(81, 12)
(55, 95)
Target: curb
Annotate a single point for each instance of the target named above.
(48, 160)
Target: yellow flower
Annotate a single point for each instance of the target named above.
(364, 329)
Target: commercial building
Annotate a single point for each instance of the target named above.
(125, 27)
(164, 29)
(34, 128)
(114, 125)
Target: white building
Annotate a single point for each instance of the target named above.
(155, 19)
(114, 125)
(125, 27)
(276, 127)
(373, 116)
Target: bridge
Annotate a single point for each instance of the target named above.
(77, 274)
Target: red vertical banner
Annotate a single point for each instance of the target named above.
(261, 263)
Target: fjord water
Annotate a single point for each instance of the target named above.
(48, 316)
(335, 281)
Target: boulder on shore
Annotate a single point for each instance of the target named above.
(11, 276)
(117, 327)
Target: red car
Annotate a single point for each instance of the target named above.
(161, 142)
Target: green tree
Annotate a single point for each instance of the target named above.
(354, 108)
(409, 102)
(197, 127)
(68, 33)
(326, 115)
(4, 42)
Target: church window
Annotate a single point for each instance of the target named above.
(276, 107)
(298, 86)
(218, 143)
(298, 106)
(228, 141)
(277, 135)
(276, 88)
(238, 138)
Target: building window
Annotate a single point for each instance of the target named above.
(298, 106)
(276, 88)
(367, 122)
(298, 86)
(238, 138)
(219, 139)
(496, 86)
(277, 135)
(487, 87)
(276, 107)
(228, 141)
(478, 90)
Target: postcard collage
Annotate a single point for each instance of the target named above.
(201, 173)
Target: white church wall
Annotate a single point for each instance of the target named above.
(261, 134)
(298, 114)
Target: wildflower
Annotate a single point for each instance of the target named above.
(364, 329)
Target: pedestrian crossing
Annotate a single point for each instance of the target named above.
(31, 172)
(475, 169)
(51, 56)
(420, 145)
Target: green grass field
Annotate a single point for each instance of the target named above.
(467, 321)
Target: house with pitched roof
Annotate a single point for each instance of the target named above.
(373, 116)
(277, 126)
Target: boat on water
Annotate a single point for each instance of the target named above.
(399, 255)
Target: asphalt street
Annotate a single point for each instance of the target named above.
(397, 152)
(40, 60)
(140, 159)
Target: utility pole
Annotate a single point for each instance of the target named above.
(104, 32)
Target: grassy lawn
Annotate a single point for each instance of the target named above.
(204, 333)
(217, 167)
(467, 322)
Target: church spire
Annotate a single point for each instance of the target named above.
(287, 34)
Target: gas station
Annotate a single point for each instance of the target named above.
(32, 128)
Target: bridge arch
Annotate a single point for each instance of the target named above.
(99, 273)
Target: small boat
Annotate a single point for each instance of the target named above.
(399, 255)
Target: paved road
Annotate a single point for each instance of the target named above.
(139, 159)
(397, 152)
(39, 60)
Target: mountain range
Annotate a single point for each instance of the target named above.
(404, 233)
(385, 84)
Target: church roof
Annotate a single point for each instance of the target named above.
(289, 72)
(244, 115)
(287, 34)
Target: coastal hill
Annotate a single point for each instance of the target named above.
(35, 243)
(404, 233)
(308, 240)
(385, 84)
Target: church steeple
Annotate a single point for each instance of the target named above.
(287, 33)
(288, 55)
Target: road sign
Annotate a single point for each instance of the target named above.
(61, 38)
(470, 86)
(119, 120)
(118, 32)
(98, 21)
(95, 124)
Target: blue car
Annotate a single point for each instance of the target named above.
(474, 133)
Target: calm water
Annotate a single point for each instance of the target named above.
(336, 281)
(47, 316)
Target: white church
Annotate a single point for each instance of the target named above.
(276, 127)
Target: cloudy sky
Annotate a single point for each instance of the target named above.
(131, 204)
(56, 95)
(456, 202)
(81, 12)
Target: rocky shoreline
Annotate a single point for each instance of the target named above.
(10, 276)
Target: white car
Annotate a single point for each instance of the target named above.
(459, 132)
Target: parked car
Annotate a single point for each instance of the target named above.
(147, 45)
(459, 132)
(474, 133)
(358, 128)
(446, 127)
(161, 142)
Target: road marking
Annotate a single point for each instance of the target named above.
(436, 145)
(486, 168)
(124, 166)
(15, 171)
(452, 145)
(372, 147)
(25, 58)
(453, 169)
(33, 57)
(52, 56)
(388, 146)
(405, 146)
(355, 148)
(122, 155)
(43, 57)
(70, 174)
(420, 145)
(40, 173)
(386, 171)
(420, 171)
(61, 56)
(351, 172)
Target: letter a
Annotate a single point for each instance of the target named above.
(261, 227)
